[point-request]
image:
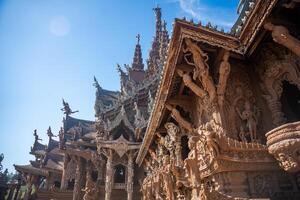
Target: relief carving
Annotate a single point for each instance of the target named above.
(282, 36)
(278, 65)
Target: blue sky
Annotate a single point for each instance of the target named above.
(51, 49)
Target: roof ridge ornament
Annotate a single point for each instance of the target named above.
(49, 133)
(66, 108)
(36, 136)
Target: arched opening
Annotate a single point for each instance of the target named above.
(290, 100)
(119, 176)
(184, 147)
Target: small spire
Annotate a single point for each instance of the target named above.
(157, 11)
(137, 63)
(49, 133)
(138, 38)
(96, 83)
(36, 136)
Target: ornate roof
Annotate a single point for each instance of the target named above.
(239, 44)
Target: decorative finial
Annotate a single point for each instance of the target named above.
(36, 137)
(66, 108)
(96, 83)
(138, 38)
(49, 133)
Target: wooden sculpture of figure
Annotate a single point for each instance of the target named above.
(90, 189)
(211, 141)
(223, 77)
(200, 58)
(201, 70)
(187, 80)
(157, 179)
(62, 140)
(36, 136)
(282, 36)
(249, 116)
(192, 168)
(167, 177)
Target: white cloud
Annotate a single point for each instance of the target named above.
(200, 11)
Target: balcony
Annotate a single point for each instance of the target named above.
(284, 144)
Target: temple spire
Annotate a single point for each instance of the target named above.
(157, 11)
(137, 63)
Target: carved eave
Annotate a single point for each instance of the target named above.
(29, 169)
(121, 117)
(87, 154)
(120, 145)
(162, 92)
(255, 21)
(38, 149)
(183, 29)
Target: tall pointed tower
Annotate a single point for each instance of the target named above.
(136, 72)
(161, 36)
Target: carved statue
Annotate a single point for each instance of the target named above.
(223, 76)
(199, 57)
(249, 116)
(201, 70)
(49, 133)
(282, 36)
(167, 177)
(62, 140)
(66, 109)
(36, 136)
(90, 187)
(177, 116)
(191, 167)
(187, 80)
(172, 142)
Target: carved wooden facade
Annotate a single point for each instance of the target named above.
(225, 123)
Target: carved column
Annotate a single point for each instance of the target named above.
(64, 180)
(29, 182)
(174, 145)
(78, 179)
(108, 177)
(130, 176)
(282, 36)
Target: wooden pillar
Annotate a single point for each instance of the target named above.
(64, 180)
(11, 191)
(17, 192)
(108, 177)
(78, 178)
(130, 176)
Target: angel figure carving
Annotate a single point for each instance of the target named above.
(200, 58)
(251, 122)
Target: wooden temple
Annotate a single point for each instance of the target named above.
(96, 159)
(226, 117)
(214, 116)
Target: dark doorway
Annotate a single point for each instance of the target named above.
(184, 147)
(290, 100)
(119, 176)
